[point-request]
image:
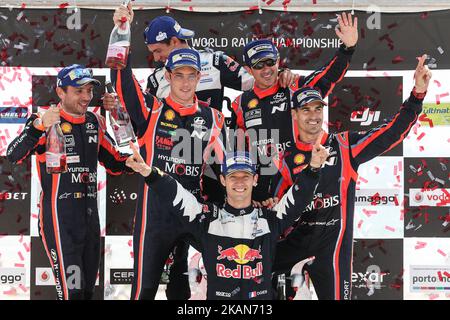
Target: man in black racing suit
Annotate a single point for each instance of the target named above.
(325, 229)
(237, 240)
(180, 135)
(68, 219)
(264, 112)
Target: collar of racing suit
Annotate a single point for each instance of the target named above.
(309, 146)
(262, 93)
(183, 110)
(71, 118)
(238, 212)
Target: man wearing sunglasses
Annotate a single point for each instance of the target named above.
(264, 112)
(325, 229)
(68, 219)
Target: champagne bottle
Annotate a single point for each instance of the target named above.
(120, 121)
(119, 44)
(55, 152)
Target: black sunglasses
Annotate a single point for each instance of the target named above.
(262, 63)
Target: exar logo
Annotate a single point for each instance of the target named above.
(366, 117)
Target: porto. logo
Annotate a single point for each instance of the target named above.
(366, 117)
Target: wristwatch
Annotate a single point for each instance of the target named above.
(37, 123)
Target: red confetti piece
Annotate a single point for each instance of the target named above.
(442, 253)
(26, 246)
(19, 265)
(439, 96)
(440, 276)
(421, 136)
(360, 223)
(377, 170)
(420, 245)
(393, 25)
(11, 292)
(398, 59)
(389, 228)
(130, 243)
(421, 148)
(63, 5)
(396, 201)
(433, 296)
(34, 216)
(363, 180)
(24, 289)
(437, 83)
(369, 212)
(101, 185)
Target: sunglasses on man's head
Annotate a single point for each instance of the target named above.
(262, 63)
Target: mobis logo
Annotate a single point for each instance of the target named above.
(434, 198)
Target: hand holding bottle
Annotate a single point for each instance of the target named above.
(50, 117)
(122, 14)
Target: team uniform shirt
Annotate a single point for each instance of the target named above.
(68, 219)
(162, 127)
(265, 115)
(325, 229)
(237, 245)
(218, 71)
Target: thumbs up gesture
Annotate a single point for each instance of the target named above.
(137, 163)
(319, 154)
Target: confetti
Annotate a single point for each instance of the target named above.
(26, 246)
(398, 59)
(442, 253)
(389, 228)
(420, 245)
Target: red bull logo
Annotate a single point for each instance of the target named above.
(241, 254)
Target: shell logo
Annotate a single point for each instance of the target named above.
(299, 158)
(169, 115)
(66, 127)
(253, 103)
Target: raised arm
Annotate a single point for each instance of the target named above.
(334, 70)
(367, 145)
(301, 193)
